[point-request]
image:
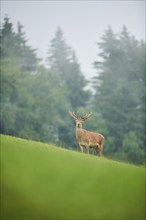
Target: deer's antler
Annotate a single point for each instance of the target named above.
(86, 116)
(72, 114)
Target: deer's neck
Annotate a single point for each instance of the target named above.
(78, 133)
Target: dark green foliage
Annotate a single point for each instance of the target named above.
(62, 59)
(63, 64)
(15, 45)
(120, 91)
(35, 99)
(131, 148)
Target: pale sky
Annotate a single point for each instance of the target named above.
(83, 23)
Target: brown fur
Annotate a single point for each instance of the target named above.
(87, 138)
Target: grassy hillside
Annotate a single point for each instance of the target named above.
(40, 181)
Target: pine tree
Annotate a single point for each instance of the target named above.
(27, 58)
(17, 65)
(7, 39)
(120, 87)
(58, 53)
(15, 45)
(62, 59)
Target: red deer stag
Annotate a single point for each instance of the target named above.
(87, 138)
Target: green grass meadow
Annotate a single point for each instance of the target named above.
(41, 181)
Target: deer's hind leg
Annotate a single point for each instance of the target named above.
(99, 149)
(87, 148)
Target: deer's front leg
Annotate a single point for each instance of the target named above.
(81, 148)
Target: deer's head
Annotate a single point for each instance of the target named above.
(79, 120)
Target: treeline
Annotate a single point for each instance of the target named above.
(35, 99)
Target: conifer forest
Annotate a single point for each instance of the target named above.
(36, 97)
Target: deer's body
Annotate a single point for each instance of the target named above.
(87, 138)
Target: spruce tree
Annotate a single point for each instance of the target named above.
(120, 88)
(62, 59)
(14, 44)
